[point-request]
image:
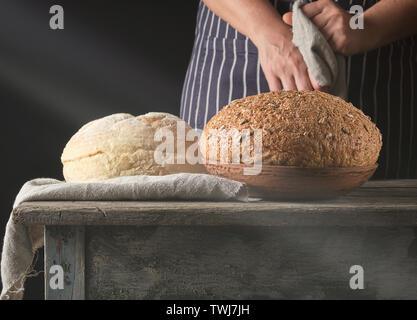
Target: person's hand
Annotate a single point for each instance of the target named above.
(333, 22)
(282, 63)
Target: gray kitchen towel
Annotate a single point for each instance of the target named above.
(326, 67)
(21, 242)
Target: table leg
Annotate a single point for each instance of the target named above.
(64, 263)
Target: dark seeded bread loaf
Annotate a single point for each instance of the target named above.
(305, 129)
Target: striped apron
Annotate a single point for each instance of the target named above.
(224, 66)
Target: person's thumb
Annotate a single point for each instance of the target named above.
(287, 18)
(316, 85)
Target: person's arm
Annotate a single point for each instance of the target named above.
(391, 20)
(281, 61)
(384, 22)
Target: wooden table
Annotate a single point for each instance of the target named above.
(219, 250)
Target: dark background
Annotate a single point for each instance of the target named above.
(112, 56)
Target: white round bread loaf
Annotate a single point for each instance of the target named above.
(123, 145)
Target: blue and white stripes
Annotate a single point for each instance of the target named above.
(224, 66)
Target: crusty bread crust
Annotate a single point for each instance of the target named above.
(121, 145)
(303, 129)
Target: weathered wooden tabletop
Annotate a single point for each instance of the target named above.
(228, 250)
(376, 203)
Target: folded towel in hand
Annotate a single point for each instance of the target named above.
(324, 65)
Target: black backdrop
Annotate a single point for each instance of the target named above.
(112, 56)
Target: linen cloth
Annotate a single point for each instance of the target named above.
(325, 66)
(21, 242)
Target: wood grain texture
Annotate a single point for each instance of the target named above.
(241, 262)
(64, 246)
(296, 183)
(387, 203)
